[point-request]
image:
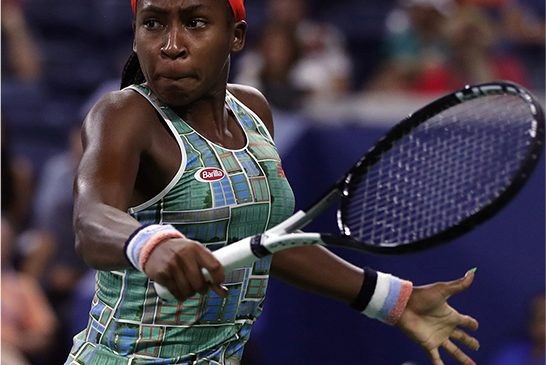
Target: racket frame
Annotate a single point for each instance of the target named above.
(413, 121)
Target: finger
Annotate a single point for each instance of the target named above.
(172, 282)
(208, 261)
(465, 339)
(216, 272)
(184, 277)
(220, 289)
(468, 322)
(435, 357)
(215, 275)
(192, 271)
(182, 289)
(456, 352)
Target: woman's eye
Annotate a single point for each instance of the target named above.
(151, 24)
(196, 23)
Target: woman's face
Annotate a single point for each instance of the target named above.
(184, 45)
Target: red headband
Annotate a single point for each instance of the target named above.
(238, 7)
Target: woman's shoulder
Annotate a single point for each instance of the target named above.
(117, 107)
(255, 101)
(126, 101)
(120, 115)
(247, 94)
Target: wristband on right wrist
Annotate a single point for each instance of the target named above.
(144, 240)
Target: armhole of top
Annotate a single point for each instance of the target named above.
(182, 167)
(254, 115)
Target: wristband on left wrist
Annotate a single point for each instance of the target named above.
(383, 296)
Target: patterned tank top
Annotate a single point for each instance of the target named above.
(218, 196)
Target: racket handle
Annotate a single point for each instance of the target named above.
(236, 255)
(163, 292)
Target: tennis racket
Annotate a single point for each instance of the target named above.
(436, 175)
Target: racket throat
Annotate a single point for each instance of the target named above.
(257, 248)
(303, 217)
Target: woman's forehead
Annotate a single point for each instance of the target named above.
(167, 4)
(237, 6)
(180, 3)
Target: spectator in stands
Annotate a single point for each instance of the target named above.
(415, 43)
(525, 27)
(53, 228)
(28, 321)
(21, 55)
(444, 48)
(271, 67)
(473, 53)
(17, 182)
(528, 350)
(524, 21)
(29, 254)
(324, 67)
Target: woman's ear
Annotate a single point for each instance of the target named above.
(239, 36)
(134, 36)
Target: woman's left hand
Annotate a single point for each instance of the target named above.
(432, 323)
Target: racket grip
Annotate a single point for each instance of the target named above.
(163, 292)
(236, 255)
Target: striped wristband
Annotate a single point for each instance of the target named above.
(144, 240)
(383, 296)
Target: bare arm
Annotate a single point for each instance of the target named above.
(315, 269)
(105, 180)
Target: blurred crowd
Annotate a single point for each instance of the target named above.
(421, 46)
(58, 56)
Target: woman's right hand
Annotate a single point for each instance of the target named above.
(176, 264)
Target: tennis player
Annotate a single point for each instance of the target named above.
(179, 163)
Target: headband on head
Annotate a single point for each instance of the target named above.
(238, 7)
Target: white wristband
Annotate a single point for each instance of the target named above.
(141, 237)
(389, 299)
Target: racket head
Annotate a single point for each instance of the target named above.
(443, 170)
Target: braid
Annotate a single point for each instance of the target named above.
(132, 74)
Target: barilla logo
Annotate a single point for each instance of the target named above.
(209, 174)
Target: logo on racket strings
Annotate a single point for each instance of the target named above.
(209, 174)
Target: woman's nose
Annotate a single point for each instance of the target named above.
(174, 46)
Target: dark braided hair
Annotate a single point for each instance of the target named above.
(132, 74)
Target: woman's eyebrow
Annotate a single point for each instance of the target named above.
(154, 9)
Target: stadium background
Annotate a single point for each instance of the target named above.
(83, 46)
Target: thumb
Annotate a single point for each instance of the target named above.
(461, 284)
(220, 289)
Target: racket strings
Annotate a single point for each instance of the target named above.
(443, 171)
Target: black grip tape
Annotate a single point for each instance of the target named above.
(257, 248)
